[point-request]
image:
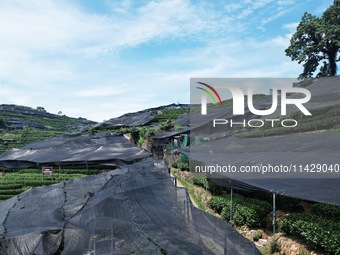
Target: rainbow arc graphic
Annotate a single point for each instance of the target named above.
(211, 92)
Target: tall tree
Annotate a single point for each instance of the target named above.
(317, 40)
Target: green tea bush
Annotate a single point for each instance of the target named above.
(246, 211)
(9, 186)
(175, 164)
(282, 202)
(4, 197)
(200, 181)
(12, 192)
(331, 212)
(225, 213)
(315, 230)
(250, 213)
(207, 184)
(166, 125)
(217, 203)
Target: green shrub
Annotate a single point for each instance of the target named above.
(225, 213)
(200, 181)
(328, 211)
(315, 230)
(12, 192)
(207, 184)
(274, 247)
(140, 141)
(166, 125)
(178, 127)
(175, 164)
(146, 132)
(258, 236)
(250, 212)
(184, 165)
(9, 186)
(246, 211)
(282, 202)
(4, 197)
(134, 133)
(247, 215)
(217, 203)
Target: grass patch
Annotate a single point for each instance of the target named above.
(324, 119)
(22, 137)
(14, 183)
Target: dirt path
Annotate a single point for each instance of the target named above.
(180, 185)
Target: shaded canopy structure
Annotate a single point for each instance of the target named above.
(312, 159)
(111, 148)
(310, 164)
(128, 120)
(139, 118)
(132, 210)
(325, 95)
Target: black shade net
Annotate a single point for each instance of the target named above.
(132, 210)
(283, 152)
(299, 165)
(75, 149)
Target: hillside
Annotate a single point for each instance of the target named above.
(20, 125)
(18, 117)
(163, 131)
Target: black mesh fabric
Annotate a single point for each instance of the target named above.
(325, 94)
(289, 151)
(142, 118)
(74, 149)
(132, 210)
(129, 120)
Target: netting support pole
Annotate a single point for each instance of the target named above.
(274, 213)
(231, 204)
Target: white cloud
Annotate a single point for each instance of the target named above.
(101, 91)
(66, 58)
(244, 58)
(45, 26)
(231, 8)
(285, 2)
(251, 6)
(121, 7)
(261, 3)
(273, 17)
(291, 27)
(41, 25)
(13, 96)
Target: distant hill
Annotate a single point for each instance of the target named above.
(17, 117)
(20, 125)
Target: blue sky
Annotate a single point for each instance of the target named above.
(101, 59)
